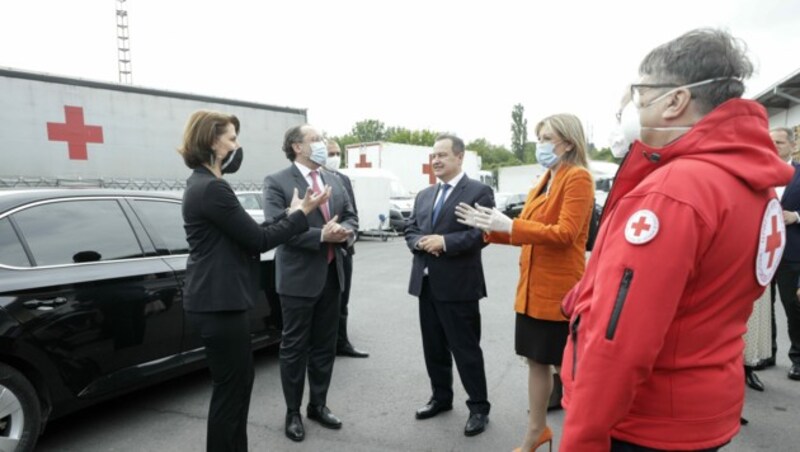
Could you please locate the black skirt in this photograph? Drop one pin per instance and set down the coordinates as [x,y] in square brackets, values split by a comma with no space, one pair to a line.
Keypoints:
[540,340]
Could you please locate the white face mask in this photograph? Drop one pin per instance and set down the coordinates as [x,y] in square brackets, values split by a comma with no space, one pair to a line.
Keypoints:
[619,144]
[333,163]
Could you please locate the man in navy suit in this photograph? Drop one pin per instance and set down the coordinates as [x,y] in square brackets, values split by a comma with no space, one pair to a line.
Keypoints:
[447,276]
[789,268]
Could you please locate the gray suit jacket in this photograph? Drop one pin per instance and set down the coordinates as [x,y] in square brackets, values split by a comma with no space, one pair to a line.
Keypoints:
[301,265]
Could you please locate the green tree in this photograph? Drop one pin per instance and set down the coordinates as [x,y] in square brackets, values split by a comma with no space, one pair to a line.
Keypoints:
[492,156]
[529,151]
[602,154]
[417,137]
[369,130]
[519,131]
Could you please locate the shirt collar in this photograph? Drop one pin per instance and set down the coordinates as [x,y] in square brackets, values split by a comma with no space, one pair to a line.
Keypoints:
[454,181]
[304,170]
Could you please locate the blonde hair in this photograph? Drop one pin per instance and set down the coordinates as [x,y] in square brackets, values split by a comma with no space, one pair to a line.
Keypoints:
[568,127]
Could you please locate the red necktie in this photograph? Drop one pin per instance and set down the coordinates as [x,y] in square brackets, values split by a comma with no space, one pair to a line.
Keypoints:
[326,213]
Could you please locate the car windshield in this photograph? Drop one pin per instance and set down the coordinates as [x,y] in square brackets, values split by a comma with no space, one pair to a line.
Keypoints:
[249,200]
[397,190]
[500,199]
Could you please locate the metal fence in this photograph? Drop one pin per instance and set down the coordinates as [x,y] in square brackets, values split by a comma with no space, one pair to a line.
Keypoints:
[128,184]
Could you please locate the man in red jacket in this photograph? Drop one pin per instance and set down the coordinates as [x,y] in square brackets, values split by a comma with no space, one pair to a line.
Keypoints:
[691,234]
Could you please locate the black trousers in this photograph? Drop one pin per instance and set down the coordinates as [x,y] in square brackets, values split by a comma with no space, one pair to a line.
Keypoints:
[342,339]
[309,343]
[787,279]
[452,330]
[622,446]
[226,336]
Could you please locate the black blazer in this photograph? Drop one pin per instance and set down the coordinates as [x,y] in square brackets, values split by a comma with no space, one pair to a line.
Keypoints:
[791,201]
[457,274]
[224,245]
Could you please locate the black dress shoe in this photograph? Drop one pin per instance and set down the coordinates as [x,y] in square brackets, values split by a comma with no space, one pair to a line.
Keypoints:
[752,379]
[349,350]
[294,427]
[794,372]
[323,416]
[476,424]
[764,363]
[433,408]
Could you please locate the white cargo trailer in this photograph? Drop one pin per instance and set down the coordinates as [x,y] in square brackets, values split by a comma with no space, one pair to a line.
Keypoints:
[373,192]
[61,131]
[411,163]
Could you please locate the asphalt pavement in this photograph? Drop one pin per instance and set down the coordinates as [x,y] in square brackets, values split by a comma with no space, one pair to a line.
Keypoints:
[376,397]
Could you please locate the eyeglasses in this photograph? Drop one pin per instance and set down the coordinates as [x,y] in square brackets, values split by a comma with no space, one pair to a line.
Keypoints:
[636,95]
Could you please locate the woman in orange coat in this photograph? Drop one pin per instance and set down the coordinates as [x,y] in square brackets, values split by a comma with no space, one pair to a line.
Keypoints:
[552,231]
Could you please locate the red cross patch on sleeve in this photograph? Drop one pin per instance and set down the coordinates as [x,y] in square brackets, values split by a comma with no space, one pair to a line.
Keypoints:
[771,241]
[641,227]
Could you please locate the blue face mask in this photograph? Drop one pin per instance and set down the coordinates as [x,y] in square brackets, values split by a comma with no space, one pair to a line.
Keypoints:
[546,155]
[319,153]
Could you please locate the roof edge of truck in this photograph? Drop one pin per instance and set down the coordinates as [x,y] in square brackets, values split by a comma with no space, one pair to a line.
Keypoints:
[51,78]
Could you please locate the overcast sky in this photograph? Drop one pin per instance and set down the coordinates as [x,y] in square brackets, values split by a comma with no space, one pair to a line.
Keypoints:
[442,65]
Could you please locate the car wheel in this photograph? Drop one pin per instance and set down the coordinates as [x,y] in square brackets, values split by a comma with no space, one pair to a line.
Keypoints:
[20,412]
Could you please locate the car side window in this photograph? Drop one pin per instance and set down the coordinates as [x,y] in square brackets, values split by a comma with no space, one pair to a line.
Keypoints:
[166,219]
[11,251]
[68,232]
[249,201]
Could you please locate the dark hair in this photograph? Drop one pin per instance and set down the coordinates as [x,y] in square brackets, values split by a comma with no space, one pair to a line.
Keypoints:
[458,143]
[202,130]
[698,55]
[293,135]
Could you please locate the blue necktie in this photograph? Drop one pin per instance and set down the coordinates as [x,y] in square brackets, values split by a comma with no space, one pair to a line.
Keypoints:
[440,203]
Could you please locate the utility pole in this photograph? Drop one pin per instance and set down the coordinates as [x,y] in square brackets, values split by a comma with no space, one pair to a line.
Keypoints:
[123,45]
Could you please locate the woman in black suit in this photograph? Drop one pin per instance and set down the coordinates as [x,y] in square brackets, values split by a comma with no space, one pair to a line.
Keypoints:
[222,269]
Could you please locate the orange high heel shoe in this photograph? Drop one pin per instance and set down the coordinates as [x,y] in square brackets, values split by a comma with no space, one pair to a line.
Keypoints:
[545,437]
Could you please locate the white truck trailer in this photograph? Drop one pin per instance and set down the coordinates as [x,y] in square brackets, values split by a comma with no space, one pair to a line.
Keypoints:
[410,163]
[60,131]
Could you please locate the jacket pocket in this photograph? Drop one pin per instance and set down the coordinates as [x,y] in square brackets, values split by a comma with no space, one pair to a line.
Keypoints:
[574,334]
[619,303]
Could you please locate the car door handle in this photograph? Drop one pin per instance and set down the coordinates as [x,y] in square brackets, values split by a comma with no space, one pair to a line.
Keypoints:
[47,304]
[57,301]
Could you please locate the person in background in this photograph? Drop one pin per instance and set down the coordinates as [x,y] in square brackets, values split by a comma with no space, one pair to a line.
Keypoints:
[447,277]
[552,231]
[343,345]
[692,232]
[222,268]
[309,278]
[789,268]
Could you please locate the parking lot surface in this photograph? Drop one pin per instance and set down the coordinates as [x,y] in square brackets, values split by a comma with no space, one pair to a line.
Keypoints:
[376,397]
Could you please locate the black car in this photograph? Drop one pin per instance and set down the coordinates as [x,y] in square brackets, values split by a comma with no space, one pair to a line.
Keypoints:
[511,204]
[90,302]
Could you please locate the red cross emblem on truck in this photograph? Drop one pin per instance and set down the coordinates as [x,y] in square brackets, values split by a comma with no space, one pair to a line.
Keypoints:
[427,168]
[75,132]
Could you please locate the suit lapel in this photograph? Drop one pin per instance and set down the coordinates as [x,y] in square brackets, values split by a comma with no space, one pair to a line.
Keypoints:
[450,202]
[793,185]
[534,199]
